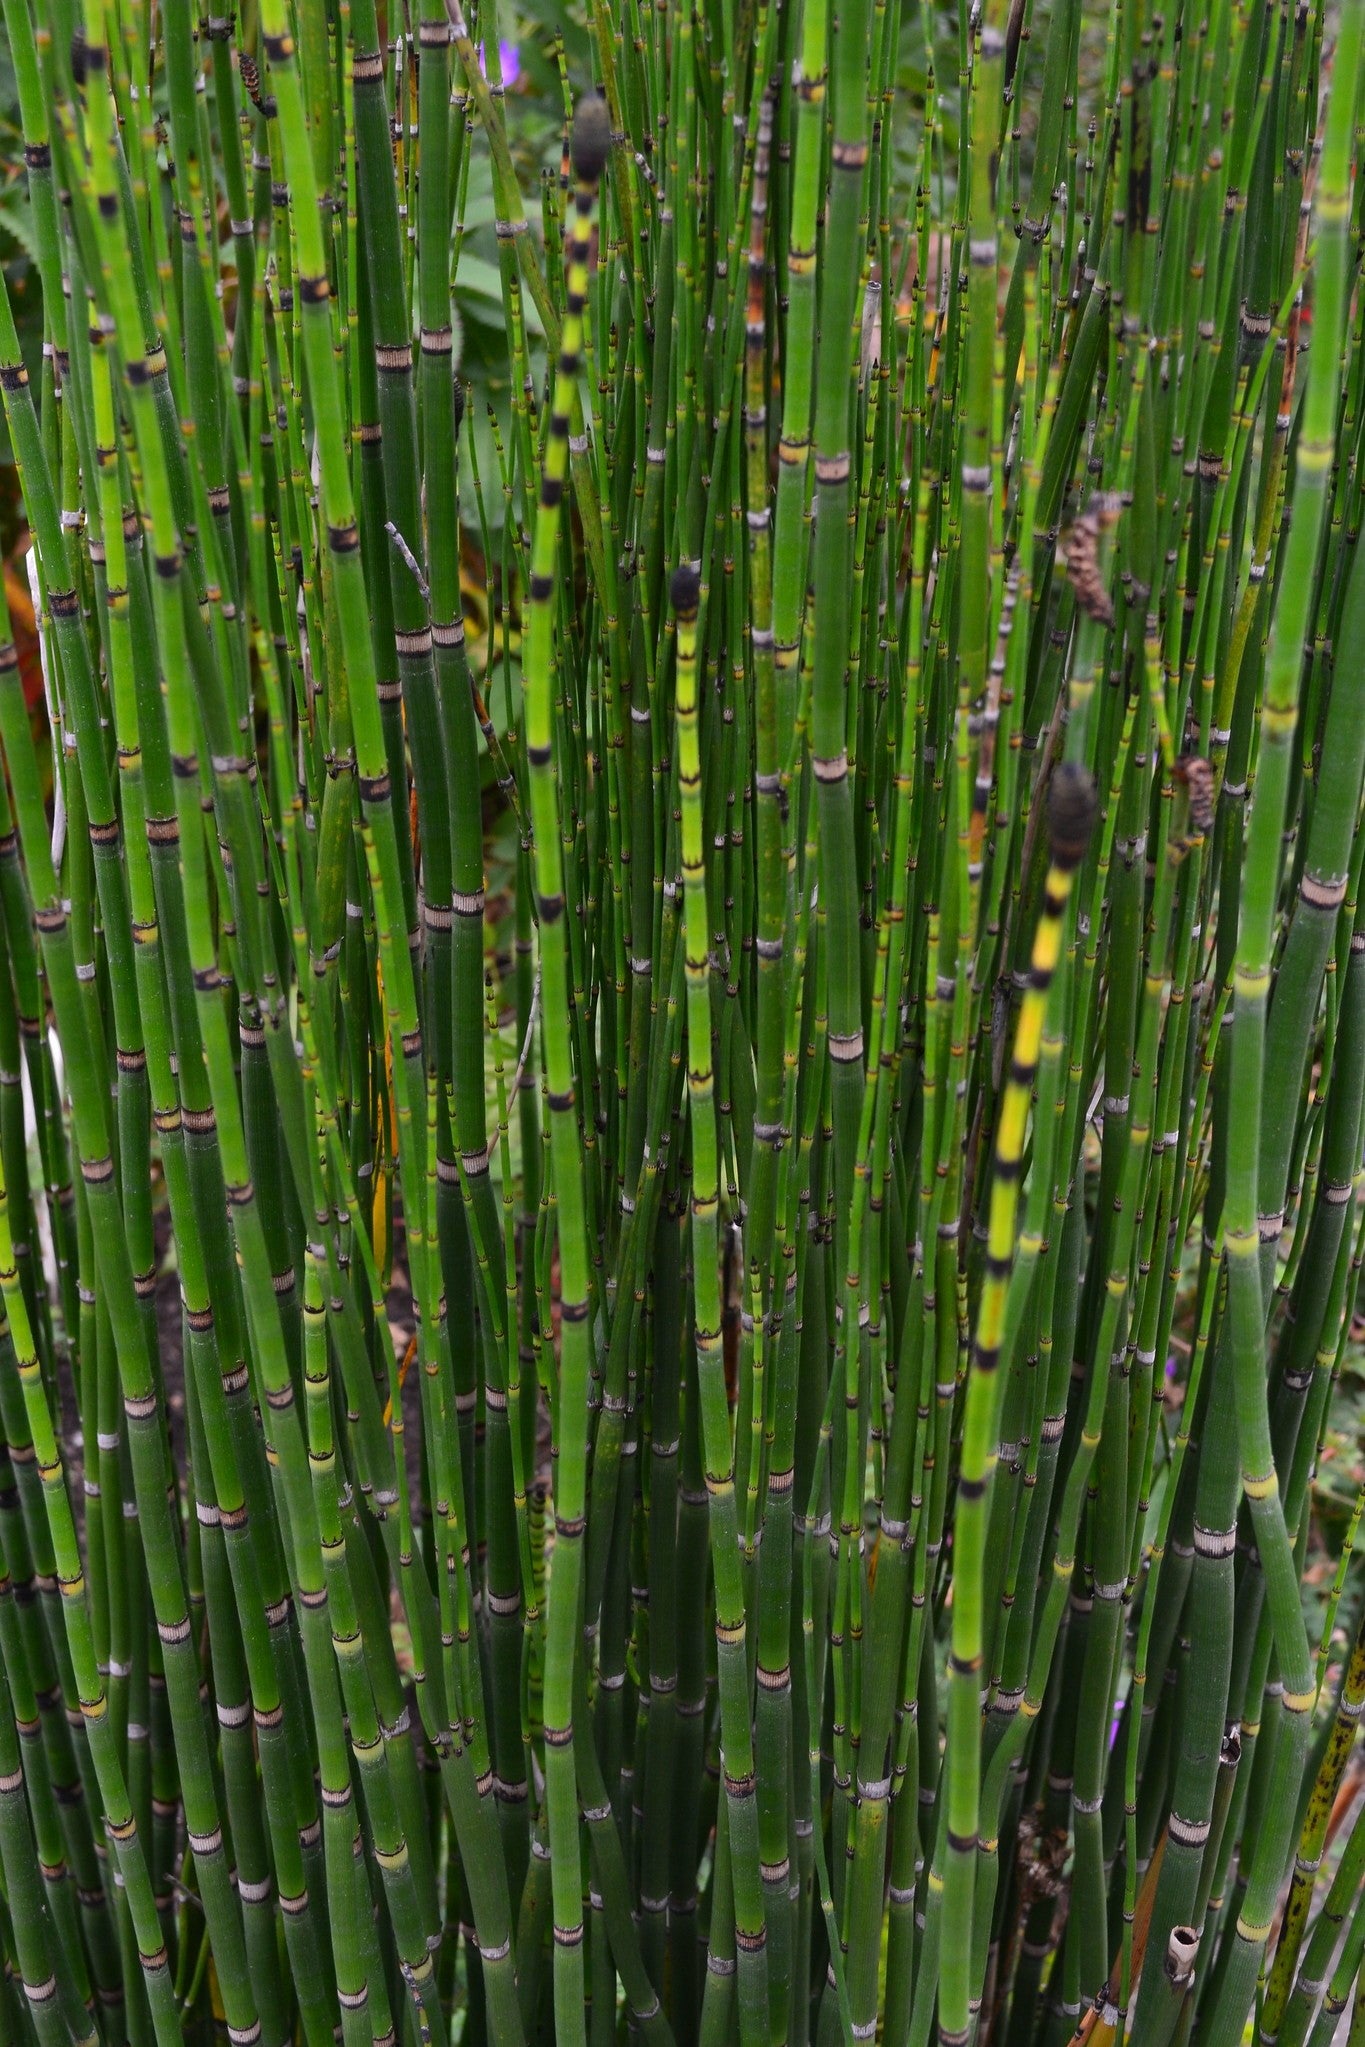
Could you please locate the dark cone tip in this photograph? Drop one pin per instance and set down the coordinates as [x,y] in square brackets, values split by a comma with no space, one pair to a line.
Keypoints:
[591,138]
[685,589]
[1071,812]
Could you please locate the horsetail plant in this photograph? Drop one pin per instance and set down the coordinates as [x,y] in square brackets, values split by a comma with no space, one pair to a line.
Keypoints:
[682,1048]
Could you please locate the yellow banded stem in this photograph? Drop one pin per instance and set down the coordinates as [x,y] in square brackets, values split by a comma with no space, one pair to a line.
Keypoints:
[1071,818]
[591,141]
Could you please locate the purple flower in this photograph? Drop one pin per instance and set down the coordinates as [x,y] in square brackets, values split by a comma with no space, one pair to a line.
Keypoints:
[508,60]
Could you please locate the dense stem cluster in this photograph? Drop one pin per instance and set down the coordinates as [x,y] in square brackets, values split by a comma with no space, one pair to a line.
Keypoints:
[877,1217]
